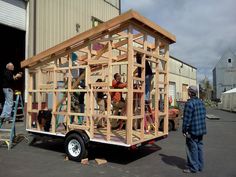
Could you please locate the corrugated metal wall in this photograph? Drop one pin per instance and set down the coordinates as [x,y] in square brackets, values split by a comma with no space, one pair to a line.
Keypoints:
[56,20]
[12,13]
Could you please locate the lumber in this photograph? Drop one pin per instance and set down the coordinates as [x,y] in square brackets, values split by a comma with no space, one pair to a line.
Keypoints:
[101,161]
[85,161]
[122,38]
[100,28]
[75,85]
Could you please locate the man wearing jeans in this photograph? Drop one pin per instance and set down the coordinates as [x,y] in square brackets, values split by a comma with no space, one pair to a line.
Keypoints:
[194,127]
[8,80]
[148,80]
[148,76]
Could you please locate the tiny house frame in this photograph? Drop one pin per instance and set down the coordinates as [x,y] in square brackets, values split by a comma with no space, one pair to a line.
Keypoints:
[61,74]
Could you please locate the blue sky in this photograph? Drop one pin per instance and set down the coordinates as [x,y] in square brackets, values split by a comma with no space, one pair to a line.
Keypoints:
[204,29]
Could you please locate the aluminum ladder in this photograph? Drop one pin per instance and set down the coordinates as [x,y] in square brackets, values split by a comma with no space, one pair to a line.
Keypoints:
[7,135]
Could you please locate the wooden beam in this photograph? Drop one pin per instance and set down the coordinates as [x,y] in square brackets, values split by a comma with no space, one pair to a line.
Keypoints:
[166,80]
[129,110]
[75,84]
[151,54]
[109,39]
[143,87]
[109,95]
[101,52]
[56,56]
[157,122]
[124,42]
[154,26]
[97,62]
[79,38]
[96,31]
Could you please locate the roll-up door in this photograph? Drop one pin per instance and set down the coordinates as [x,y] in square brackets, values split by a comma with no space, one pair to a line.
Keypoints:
[12,13]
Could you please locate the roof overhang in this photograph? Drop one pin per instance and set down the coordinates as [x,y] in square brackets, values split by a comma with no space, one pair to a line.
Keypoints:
[129,16]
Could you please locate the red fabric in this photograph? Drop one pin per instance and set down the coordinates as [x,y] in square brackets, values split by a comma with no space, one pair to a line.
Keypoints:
[119,85]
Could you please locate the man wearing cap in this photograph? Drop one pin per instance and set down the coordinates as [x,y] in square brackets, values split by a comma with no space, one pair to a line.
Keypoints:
[194,127]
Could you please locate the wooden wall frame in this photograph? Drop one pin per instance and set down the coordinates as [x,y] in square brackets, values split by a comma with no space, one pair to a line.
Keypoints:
[99,51]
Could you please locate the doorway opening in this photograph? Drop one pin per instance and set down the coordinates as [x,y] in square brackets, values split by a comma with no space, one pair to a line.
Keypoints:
[12,50]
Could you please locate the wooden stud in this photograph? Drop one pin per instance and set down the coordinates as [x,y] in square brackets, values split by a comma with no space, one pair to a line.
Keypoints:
[91,97]
[99,64]
[129,112]
[88,85]
[39,94]
[143,87]
[109,94]
[156,123]
[54,98]
[166,80]
[29,104]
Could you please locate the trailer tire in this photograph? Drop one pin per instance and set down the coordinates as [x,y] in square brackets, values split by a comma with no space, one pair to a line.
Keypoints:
[170,126]
[75,147]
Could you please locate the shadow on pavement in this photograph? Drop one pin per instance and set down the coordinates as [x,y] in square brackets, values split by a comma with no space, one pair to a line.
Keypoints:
[56,145]
[173,161]
[113,154]
[120,155]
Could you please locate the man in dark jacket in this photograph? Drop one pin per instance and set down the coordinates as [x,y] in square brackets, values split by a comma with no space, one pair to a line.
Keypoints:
[7,85]
[194,127]
[148,76]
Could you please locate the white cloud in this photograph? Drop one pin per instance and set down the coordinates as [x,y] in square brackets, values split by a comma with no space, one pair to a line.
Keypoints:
[204,29]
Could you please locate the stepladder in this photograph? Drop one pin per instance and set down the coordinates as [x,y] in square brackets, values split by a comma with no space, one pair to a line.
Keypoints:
[8,130]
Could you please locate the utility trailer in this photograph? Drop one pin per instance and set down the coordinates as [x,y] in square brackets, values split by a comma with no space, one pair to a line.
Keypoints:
[60,77]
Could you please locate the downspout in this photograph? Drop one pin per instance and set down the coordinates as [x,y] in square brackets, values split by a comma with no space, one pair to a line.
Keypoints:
[119,7]
[35,13]
[26,50]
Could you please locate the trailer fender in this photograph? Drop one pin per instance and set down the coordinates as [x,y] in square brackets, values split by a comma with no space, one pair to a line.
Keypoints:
[84,135]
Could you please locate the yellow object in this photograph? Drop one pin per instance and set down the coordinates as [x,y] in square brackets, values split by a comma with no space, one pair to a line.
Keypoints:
[18,93]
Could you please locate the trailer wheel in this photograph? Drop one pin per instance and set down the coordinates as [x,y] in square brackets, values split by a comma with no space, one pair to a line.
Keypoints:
[170,126]
[75,147]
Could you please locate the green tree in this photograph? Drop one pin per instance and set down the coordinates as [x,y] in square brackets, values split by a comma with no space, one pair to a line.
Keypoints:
[205,89]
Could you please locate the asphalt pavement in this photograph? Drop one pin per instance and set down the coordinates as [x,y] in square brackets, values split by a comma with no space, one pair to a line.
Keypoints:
[166,158]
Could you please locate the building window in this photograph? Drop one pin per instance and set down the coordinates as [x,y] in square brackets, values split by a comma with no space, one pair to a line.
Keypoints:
[96,21]
[230,64]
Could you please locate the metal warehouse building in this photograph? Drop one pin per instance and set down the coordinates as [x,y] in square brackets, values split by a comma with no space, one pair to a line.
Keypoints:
[28,27]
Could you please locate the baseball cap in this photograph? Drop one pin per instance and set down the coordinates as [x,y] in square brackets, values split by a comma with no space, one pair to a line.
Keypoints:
[193,89]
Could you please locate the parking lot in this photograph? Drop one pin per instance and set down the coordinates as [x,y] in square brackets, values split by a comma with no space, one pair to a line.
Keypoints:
[166,158]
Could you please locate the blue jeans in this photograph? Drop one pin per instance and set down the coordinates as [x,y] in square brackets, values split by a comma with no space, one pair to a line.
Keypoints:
[148,80]
[81,118]
[194,149]
[7,108]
